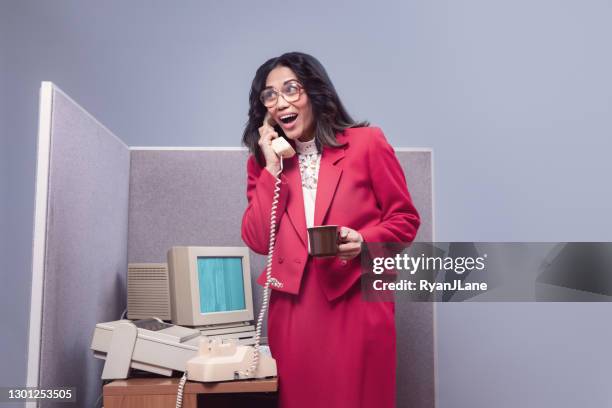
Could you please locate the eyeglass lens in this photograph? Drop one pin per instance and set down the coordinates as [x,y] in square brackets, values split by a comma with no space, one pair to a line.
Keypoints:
[290,91]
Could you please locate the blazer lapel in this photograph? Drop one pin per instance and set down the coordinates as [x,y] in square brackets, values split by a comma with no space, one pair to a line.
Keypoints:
[329,174]
[295,203]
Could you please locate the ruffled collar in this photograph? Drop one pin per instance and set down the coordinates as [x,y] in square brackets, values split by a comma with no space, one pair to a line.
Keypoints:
[308,147]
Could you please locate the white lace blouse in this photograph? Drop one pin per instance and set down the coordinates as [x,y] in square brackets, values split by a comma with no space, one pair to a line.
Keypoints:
[309,160]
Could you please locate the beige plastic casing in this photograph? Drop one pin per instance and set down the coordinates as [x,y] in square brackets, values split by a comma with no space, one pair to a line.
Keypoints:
[148,291]
[282,148]
[184,288]
[227,361]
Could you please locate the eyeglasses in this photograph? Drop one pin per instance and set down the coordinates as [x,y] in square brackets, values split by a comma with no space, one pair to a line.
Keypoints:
[291,92]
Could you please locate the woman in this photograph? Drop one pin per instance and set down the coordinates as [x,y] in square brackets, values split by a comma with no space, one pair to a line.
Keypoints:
[332,349]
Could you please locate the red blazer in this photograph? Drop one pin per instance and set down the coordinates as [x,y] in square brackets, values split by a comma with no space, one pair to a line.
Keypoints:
[361,186]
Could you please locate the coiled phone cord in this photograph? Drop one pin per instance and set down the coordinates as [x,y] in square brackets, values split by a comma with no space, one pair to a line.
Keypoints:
[179,393]
[269,279]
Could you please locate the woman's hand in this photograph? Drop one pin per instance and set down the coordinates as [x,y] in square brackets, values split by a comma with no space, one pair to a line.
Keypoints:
[266,135]
[350,243]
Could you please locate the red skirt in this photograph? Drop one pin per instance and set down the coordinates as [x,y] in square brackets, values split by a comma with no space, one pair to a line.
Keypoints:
[332,354]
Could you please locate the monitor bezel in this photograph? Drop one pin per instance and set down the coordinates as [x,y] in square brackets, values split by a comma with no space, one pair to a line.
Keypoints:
[196,317]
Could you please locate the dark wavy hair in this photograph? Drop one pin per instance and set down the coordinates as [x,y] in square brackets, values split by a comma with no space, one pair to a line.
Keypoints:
[329,115]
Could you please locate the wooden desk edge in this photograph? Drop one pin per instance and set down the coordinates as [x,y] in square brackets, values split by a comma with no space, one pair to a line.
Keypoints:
[161,386]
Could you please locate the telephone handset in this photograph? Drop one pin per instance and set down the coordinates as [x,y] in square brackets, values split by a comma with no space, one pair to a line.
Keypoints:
[280,145]
[222,362]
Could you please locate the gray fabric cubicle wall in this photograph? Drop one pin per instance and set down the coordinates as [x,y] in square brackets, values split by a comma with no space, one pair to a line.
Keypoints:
[197,197]
[86,246]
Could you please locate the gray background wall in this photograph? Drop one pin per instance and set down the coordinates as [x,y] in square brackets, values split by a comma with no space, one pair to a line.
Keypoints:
[514,97]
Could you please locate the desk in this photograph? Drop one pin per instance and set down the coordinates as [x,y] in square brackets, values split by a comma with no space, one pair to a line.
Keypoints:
[161,393]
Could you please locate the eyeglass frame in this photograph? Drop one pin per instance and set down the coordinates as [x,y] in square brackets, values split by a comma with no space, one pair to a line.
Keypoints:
[300,91]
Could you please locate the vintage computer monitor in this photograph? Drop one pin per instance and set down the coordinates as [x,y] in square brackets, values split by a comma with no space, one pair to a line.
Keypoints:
[210,285]
[209,290]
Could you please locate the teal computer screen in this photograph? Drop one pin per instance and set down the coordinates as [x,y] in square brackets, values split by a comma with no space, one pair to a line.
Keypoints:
[221,284]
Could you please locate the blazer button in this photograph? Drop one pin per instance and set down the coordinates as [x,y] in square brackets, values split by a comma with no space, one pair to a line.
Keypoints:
[280,260]
[297,260]
[343,262]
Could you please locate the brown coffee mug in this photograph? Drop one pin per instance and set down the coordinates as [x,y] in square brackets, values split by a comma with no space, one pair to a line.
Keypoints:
[324,240]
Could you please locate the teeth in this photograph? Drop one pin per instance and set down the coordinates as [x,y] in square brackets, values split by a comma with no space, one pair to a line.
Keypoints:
[288,116]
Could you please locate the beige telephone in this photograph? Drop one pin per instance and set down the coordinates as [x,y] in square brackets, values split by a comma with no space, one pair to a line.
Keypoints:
[228,361]
[280,145]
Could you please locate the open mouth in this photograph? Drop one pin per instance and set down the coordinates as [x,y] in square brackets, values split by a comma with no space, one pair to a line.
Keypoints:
[289,118]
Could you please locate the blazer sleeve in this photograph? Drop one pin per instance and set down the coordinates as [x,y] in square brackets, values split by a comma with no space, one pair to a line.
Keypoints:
[399,219]
[255,229]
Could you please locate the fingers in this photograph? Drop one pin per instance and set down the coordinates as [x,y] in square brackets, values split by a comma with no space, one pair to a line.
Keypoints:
[349,235]
[266,134]
[350,245]
[268,121]
[344,232]
[348,251]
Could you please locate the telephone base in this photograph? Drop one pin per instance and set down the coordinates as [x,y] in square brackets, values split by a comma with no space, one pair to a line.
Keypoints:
[228,361]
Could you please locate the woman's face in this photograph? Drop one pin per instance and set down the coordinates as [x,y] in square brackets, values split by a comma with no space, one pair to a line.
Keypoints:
[295,127]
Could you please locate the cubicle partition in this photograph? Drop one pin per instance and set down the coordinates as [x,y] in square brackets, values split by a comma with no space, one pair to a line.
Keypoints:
[80,244]
[110,205]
